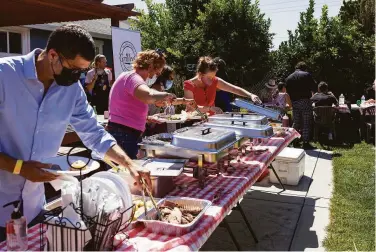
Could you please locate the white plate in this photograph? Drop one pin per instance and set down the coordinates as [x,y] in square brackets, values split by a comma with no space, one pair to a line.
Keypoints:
[65,167]
[122,186]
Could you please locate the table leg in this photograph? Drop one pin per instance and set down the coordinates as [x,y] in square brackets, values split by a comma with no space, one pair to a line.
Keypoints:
[227,226]
[238,207]
[279,180]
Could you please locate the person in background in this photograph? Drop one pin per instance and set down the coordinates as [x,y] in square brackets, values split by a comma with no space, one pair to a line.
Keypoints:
[323,97]
[223,98]
[39,96]
[370,92]
[163,83]
[282,99]
[98,83]
[130,96]
[203,87]
[269,92]
[300,86]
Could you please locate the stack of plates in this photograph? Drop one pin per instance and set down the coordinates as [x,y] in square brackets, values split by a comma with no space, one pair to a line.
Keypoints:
[115,184]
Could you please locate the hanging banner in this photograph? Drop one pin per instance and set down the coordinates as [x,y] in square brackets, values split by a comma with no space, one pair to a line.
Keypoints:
[125,46]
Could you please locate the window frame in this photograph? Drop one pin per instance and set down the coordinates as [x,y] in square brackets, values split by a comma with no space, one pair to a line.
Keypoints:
[25,40]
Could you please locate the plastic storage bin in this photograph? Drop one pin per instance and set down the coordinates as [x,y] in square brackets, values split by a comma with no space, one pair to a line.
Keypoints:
[289,165]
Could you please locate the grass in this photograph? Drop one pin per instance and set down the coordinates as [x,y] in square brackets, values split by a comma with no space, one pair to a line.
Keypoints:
[352,209]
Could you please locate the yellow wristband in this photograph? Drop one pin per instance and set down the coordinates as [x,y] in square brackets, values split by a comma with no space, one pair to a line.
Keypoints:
[17,167]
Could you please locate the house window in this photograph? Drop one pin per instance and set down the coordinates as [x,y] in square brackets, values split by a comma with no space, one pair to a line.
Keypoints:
[98,46]
[14,41]
[10,42]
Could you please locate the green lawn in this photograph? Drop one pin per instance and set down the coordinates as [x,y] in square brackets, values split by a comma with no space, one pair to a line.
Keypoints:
[352,210]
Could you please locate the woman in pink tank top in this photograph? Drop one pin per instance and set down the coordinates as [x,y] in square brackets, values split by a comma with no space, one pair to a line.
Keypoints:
[129,99]
[203,87]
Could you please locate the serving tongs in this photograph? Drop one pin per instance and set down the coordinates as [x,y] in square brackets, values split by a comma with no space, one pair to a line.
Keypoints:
[203,116]
[144,188]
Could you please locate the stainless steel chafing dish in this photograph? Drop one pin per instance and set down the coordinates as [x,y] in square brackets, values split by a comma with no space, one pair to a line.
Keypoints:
[251,118]
[259,109]
[243,128]
[190,143]
[203,138]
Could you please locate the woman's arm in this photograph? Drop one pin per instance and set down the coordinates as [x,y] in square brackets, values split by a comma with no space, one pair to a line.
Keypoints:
[150,96]
[225,86]
[188,94]
[288,100]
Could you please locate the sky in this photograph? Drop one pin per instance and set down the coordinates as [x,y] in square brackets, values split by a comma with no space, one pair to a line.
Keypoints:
[284,14]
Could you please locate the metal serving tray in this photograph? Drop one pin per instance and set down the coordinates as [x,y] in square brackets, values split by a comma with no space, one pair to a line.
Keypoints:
[170,151]
[254,119]
[270,113]
[203,138]
[160,227]
[244,129]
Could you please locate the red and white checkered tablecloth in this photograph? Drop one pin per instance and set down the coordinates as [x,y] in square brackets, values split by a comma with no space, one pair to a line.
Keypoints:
[232,188]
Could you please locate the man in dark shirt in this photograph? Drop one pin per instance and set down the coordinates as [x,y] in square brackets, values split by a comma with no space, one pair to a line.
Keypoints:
[301,86]
[223,98]
[324,97]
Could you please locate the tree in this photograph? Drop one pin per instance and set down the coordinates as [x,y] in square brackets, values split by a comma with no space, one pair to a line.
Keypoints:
[338,50]
[235,30]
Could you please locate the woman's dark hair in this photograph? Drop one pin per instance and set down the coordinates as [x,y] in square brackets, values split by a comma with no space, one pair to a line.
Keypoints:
[281,85]
[323,87]
[72,40]
[206,64]
[165,75]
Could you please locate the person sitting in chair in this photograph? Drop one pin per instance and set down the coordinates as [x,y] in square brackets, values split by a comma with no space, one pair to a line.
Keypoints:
[323,97]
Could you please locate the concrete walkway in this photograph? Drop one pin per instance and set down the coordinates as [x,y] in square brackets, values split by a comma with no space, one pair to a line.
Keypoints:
[295,219]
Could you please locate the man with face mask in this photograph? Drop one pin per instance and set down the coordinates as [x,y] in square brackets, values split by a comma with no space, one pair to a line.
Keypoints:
[39,97]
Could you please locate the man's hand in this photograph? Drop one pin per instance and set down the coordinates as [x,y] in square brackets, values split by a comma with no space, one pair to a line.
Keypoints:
[32,170]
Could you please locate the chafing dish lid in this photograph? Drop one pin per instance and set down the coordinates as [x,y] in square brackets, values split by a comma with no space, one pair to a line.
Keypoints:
[270,113]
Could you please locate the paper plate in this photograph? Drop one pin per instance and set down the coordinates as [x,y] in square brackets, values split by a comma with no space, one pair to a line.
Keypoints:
[65,167]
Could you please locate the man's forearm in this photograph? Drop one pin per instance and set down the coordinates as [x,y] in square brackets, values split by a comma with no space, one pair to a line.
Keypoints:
[7,163]
[117,155]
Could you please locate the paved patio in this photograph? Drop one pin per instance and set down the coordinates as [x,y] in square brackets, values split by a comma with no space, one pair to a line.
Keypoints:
[292,220]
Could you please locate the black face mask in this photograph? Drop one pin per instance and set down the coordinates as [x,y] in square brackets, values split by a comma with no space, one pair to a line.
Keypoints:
[67,77]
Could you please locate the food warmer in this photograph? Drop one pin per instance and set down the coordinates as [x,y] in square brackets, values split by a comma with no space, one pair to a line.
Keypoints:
[203,144]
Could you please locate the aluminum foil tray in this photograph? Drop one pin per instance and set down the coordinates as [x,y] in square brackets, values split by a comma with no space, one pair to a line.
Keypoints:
[160,227]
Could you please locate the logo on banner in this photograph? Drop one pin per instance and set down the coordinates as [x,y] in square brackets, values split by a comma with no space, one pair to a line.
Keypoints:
[127,55]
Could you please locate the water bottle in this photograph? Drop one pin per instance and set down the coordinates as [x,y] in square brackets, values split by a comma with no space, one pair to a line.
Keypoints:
[341,99]
[363,100]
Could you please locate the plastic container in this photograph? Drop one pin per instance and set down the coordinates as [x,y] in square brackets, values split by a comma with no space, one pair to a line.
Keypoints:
[285,121]
[341,99]
[363,100]
[289,165]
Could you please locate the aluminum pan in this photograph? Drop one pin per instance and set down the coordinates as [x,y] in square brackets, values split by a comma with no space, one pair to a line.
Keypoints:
[160,227]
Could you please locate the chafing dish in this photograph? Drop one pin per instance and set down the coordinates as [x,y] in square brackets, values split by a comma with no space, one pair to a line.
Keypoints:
[207,151]
[203,138]
[251,118]
[259,109]
[244,129]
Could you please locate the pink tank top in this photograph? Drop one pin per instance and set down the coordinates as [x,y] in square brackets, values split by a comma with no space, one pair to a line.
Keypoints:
[124,107]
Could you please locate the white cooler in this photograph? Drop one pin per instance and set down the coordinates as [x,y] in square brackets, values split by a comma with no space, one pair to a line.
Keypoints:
[289,165]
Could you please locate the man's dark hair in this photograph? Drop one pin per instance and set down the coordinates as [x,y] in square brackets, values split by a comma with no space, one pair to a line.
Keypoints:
[281,85]
[301,66]
[323,87]
[71,40]
[221,64]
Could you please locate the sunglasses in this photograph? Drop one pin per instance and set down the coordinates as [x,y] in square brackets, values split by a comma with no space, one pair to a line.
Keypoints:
[73,70]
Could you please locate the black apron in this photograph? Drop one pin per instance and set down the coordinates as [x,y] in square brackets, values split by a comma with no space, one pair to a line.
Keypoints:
[101,92]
